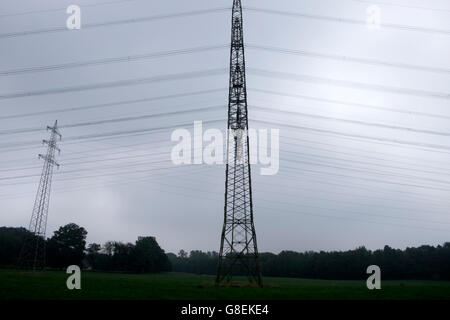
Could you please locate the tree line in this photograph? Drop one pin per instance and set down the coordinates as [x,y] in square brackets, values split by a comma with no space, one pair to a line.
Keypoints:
[67,246]
[422,263]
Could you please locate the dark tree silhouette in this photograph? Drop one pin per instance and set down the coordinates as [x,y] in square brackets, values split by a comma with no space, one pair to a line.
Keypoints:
[11,242]
[149,257]
[66,246]
[425,262]
[145,256]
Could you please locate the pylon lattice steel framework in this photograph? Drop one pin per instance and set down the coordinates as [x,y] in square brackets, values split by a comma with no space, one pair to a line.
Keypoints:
[238,249]
[33,251]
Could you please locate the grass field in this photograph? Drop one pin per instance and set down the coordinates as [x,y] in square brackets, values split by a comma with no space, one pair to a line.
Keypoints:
[52,285]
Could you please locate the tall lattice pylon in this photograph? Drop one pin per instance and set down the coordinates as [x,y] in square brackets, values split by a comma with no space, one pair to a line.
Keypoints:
[32,255]
[238,249]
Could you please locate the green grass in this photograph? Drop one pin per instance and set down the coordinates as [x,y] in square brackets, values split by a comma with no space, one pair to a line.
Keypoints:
[52,285]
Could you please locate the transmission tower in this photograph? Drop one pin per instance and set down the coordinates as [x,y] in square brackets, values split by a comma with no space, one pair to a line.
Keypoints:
[32,255]
[238,249]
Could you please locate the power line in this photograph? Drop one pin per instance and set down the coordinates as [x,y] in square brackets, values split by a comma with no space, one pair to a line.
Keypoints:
[180,95]
[353,212]
[64,8]
[115,120]
[362,178]
[321,181]
[349,59]
[348,103]
[281,209]
[371,171]
[315,207]
[94,151]
[292,144]
[108,174]
[295,178]
[111,104]
[218,107]
[316,130]
[283,167]
[358,169]
[152,175]
[115,84]
[144,163]
[9,178]
[402,5]
[160,54]
[68,164]
[350,84]
[362,162]
[347,21]
[96,62]
[107,159]
[357,122]
[203,174]
[313,129]
[190,188]
[364,151]
[444,170]
[372,140]
[328,192]
[114,134]
[359,136]
[355,188]
[219,71]
[325,165]
[297,174]
[113,23]
[292,152]
[412,196]
[224,9]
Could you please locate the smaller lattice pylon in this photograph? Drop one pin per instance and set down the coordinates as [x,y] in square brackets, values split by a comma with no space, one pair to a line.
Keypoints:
[32,255]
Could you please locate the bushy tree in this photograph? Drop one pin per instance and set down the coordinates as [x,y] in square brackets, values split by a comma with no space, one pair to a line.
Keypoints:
[11,242]
[149,257]
[66,246]
[145,256]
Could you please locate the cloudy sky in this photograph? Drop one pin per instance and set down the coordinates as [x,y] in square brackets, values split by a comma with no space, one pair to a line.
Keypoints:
[363,115]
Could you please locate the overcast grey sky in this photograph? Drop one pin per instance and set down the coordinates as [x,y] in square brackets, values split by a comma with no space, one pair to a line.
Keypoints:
[344,179]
